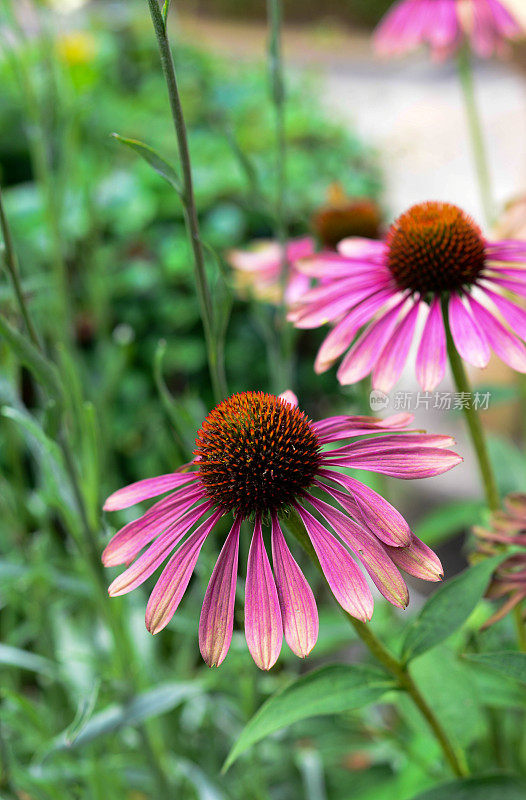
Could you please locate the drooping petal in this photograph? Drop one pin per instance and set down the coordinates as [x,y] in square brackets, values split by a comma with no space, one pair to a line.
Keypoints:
[514,315]
[297,603]
[344,577]
[130,540]
[469,337]
[411,464]
[394,355]
[431,356]
[143,490]
[349,426]
[175,577]
[365,352]
[263,625]
[217,614]
[380,516]
[382,444]
[142,568]
[371,553]
[341,336]
[508,348]
[418,560]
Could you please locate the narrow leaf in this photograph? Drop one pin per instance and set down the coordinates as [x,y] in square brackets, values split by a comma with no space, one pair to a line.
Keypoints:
[509,663]
[329,690]
[154,159]
[448,608]
[23,659]
[151,703]
[28,354]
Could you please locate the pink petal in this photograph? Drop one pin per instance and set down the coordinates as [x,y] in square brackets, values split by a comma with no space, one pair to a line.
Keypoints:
[263,625]
[418,560]
[349,426]
[508,348]
[425,462]
[289,397]
[344,331]
[513,314]
[298,607]
[217,614]
[175,577]
[125,545]
[380,567]
[394,355]
[468,336]
[143,490]
[431,356]
[345,579]
[382,444]
[364,354]
[380,516]
[142,568]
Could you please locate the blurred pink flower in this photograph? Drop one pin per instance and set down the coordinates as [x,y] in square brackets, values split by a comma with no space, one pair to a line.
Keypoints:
[445,25]
[258,270]
[259,457]
[433,251]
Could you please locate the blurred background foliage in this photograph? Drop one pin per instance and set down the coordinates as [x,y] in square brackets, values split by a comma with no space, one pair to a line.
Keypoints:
[92,706]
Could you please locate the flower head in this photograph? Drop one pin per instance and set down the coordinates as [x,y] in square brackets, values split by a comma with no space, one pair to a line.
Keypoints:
[445,25]
[258,270]
[433,255]
[259,458]
[507,529]
[344,216]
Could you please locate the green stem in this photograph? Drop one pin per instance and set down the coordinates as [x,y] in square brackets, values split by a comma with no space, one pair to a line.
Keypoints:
[277,91]
[400,671]
[465,72]
[188,200]
[519,626]
[85,536]
[11,264]
[472,418]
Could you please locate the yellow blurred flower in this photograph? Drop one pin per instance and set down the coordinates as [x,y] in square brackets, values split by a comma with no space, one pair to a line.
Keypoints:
[76,48]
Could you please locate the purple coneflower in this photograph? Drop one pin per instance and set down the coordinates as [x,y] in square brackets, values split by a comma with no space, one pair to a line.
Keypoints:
[433,254]
[258,270]
[507,529]
[259,457]
[445,25]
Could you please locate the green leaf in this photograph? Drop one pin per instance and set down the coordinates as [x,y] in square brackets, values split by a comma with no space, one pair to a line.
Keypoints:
[446,521]
[490,787]
[149,704]
[23,659]
[329,690]
[510,663]
[448,608]
[154,159]
[43,370]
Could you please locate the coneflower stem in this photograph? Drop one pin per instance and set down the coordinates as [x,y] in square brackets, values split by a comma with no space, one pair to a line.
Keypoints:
[400,671]
[472,418]
[277,91]
[519,626]
[188,201]
[465,71]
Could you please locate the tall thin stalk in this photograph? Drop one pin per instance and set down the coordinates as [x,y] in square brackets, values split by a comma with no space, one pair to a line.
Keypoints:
[188,201]
[85,535]
[278,96]
[472,418]
[465,71]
